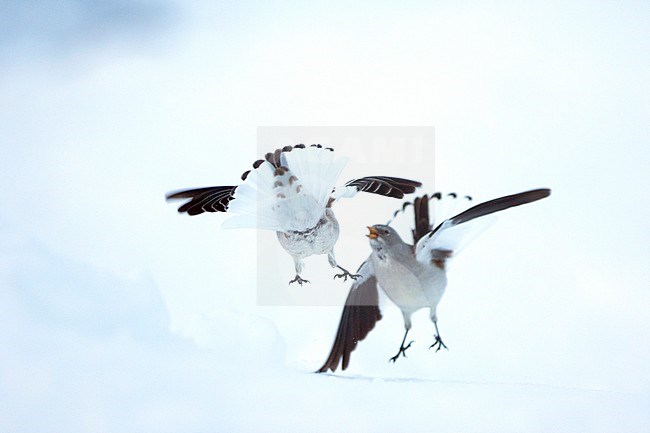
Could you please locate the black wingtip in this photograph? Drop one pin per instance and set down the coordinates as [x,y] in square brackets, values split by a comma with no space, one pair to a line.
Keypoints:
[207,199]
[501,203]
[178,194]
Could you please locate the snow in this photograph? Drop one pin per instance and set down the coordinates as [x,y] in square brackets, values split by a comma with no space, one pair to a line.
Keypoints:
[119,315]
[81,363]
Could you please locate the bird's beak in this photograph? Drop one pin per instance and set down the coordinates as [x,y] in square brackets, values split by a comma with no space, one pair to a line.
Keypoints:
[374,234]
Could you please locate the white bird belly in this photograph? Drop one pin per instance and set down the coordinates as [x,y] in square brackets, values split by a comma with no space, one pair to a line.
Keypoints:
[318,240]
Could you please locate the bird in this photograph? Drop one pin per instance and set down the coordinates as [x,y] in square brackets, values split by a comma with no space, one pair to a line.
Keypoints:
[413,276]
[291,191]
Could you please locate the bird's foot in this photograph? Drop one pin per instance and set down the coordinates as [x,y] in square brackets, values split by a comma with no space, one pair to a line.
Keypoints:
[298,280]
[438,344]
[402,351]
[346,274]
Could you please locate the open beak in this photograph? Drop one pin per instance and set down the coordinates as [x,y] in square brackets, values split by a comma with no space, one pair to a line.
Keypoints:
[374,234]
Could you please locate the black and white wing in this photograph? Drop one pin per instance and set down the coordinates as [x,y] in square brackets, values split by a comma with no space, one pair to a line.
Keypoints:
[454,233]
[217,198]
[210,199]
[395,187]
[360,314]
[287,190]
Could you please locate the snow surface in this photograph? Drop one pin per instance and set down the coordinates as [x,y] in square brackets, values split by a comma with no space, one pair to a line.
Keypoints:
[79,361]
[119,315]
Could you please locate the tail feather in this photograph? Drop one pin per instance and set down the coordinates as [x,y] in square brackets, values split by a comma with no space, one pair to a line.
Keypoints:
[317,170]
[294,206]
[421,216]
[274,199]
[448,205]
[429,211]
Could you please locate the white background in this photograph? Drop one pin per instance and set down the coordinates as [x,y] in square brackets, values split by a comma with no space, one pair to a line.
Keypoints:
[121,315]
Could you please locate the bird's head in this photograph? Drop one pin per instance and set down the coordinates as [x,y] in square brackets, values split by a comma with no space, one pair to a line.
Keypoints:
[382,235]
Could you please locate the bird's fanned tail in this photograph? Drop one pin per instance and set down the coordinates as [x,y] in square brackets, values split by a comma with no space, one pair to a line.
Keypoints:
[317,169]
[430,210]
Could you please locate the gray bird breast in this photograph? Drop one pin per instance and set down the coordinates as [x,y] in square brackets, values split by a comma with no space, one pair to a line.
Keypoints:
[317,240]
[409,284]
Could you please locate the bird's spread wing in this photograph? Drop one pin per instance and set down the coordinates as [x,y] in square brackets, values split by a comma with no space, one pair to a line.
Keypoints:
[288,190]
[454,233]
[210,199]
[359,316]
[395,187]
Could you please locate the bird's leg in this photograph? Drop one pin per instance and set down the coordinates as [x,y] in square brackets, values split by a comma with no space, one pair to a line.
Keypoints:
[345,274]
[298,280]
[402,348]
[298,265]
[438,341]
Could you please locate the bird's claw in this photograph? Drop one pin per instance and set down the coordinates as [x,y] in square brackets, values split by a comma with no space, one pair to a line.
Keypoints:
[345,276]
[439,344]
[299,280]
[402,351]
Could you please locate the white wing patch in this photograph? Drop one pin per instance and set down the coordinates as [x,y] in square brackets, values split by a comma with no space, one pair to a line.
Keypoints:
[451,237]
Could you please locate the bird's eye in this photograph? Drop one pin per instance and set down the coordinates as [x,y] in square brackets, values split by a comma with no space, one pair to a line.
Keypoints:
[385,232]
